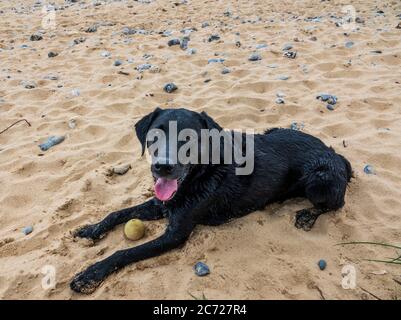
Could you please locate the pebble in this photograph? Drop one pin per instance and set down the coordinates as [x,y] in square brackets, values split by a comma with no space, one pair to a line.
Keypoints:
[225,71]
[255,57]
[91,29]
[184,43]
[72,123]
[201,269]
[121,169]
[287,47]
[118,63]
[213,37]
[170,87]
[28,84]
[128,31]
[79,40]
[322,264]
[297,126]
[52,54]
[76,92]
[368,169]
[24,46]
[216,60]
[105,54]
[349,44]
[398,25]
[173,42]
[205,24]
[290,54]
[283,77]
[143,67]
[191,51]
[261,46]
[272,66]
[36,37]
[280,101]
[50,142]
[330,99]
[27,230]
[330,107]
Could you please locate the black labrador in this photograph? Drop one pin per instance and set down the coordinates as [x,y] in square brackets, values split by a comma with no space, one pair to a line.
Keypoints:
[287,164]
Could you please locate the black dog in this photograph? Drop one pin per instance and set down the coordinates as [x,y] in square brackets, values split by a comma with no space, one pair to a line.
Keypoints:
[287,163]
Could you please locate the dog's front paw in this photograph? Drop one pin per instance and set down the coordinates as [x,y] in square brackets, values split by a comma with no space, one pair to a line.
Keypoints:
[87,281]
[305,219]
[89,232]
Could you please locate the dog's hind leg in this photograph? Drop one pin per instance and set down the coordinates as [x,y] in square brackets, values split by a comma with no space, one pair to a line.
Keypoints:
[149,210]
[325,184]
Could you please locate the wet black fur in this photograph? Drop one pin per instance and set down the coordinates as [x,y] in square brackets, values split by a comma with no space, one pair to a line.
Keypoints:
[288,164]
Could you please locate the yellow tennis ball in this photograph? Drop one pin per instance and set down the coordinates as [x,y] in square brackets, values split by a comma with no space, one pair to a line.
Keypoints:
[134,229]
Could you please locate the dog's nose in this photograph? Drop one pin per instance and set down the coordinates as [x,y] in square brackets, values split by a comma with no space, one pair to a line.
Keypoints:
[163,169]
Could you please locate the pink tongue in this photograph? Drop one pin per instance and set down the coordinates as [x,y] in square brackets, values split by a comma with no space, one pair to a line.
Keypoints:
[165,188]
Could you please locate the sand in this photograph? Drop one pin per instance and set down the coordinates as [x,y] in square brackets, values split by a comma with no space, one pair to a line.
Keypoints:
[260,256]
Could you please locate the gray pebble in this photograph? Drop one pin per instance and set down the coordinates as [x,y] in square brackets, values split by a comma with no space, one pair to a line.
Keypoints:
[118,63]
[225,71]
[290,54]
[280,101]
[143,67]
[201,269]
[184,43]
[283,77]
[173,42]
[27,230]
[216,60]
[105,54]
[369,169]
[75,92]
[261,46]
[121,169]
[91,29]
[52,54]
[36,37]
[213,37]
[349,44]
[28,84]
[191,51]
[205,24]
[287,47]
[50,142]
[297,126]
[255,57]
[170,87]
[329,98]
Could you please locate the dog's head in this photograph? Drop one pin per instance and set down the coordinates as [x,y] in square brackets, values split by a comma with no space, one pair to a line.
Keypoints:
[170,136]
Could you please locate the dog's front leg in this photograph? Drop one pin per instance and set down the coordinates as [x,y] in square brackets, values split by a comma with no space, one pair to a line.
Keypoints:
[149,210]
[178,230]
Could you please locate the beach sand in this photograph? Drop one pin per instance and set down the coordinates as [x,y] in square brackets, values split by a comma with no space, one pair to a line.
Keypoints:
[260,256]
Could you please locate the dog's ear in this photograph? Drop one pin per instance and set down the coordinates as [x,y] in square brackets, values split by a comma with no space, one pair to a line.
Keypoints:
[210,123]
[143,125]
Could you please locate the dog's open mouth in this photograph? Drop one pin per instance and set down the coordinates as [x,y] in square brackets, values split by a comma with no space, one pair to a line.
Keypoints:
[165,189]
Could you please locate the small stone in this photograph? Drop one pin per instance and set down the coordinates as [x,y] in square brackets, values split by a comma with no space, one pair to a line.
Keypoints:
[154,69]
[225,70]
[173,42]
[280,101]
[329,98]
[290,54]
[75,92]
[255,57]
[28,84]
[398,25]
[184,43]
[118,63]
[322,264]
[36,37]
[143,67]
[128,31]
[297,126]
[313,38]
[50,142]
[330,107]
[349,44]
[359,20]
[287,47]
[27,230]
[369,169]
[283,77]
[191,51]
[272,66]
[205,24]
[216,60]
[261,46]
[201,269]
[105,54]
[52,54]
[91,29]
[213,37]
[72,124]
[170,87]
[121,169]
[79,40]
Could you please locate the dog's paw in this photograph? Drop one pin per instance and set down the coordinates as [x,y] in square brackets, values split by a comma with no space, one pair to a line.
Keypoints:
[87,281]
[89,232]
[305,219]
